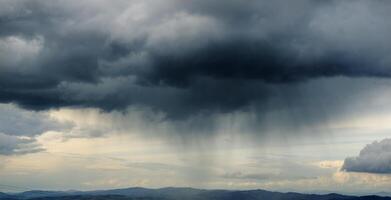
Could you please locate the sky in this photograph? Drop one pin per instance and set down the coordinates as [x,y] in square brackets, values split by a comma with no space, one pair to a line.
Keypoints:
[277,95]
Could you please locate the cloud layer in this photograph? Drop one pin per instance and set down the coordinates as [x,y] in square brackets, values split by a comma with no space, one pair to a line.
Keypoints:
[19,122]
[11,145]
[374,158]
[183,58]
[18,129]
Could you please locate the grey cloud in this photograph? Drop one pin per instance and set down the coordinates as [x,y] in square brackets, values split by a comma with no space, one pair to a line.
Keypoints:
[13,145]
[18,129]
[374,158]
[18,122]
[184,58]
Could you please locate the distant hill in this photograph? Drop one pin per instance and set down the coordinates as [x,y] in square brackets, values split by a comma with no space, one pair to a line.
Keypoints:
[3,195]
[138,193]
[40,193]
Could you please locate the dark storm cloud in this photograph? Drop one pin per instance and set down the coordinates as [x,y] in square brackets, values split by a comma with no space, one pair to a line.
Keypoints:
[374,158]
[183,57]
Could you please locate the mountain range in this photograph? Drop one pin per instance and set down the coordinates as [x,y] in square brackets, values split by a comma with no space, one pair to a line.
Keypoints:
[171,193]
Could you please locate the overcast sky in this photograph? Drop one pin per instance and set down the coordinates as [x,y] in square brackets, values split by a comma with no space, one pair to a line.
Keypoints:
[290,96]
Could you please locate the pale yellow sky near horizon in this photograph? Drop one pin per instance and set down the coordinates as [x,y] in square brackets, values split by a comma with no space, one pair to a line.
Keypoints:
[129,152]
